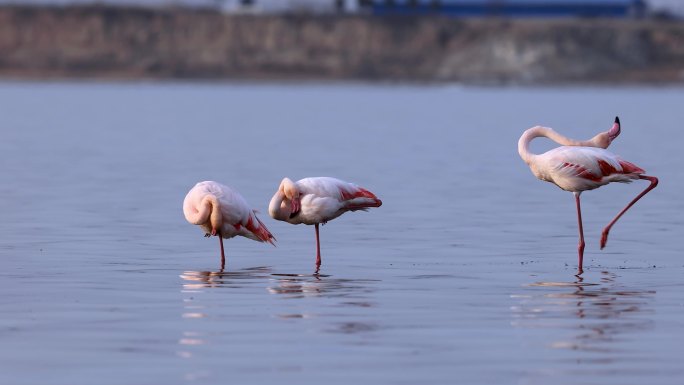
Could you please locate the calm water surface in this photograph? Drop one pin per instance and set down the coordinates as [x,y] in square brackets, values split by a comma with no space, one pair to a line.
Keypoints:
[464,275]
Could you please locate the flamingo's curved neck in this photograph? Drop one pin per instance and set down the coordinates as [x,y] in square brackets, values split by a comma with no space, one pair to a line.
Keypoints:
[601,140]
[216,219]
[208,210]
[288,193]
[526,138]
[275,209]
[289,188]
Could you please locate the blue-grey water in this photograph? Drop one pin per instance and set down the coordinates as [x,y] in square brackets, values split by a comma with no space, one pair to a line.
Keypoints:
[464,275]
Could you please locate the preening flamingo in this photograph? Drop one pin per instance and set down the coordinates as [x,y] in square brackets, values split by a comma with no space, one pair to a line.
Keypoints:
[578,166]
[219,210]
[318,200]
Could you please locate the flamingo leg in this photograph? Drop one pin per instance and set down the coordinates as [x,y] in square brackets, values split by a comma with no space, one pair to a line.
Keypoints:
[223,255]
[606,230]
[580,247]
[318,248]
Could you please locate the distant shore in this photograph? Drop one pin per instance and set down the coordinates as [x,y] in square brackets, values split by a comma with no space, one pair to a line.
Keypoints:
[102,42]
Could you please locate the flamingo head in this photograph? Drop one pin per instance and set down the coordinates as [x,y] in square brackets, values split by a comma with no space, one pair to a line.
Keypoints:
[615,130]
[285,204]
[604,139]
[292,194]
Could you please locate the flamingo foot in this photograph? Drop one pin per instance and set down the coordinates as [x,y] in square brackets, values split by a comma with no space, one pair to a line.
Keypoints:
[604,238]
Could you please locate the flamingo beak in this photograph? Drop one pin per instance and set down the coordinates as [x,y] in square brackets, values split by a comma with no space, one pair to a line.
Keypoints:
[615,130]
[295,206]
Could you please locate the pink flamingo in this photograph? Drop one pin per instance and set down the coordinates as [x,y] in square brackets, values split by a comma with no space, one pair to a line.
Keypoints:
[318,200]
[582,165]
[219,210]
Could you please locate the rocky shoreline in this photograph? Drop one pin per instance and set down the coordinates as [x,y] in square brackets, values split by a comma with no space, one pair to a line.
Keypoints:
[138,43]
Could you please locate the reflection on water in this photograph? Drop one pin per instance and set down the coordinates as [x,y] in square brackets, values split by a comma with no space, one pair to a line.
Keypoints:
[353,293]
[596,314]
[316,285]
[208,305]
[195,283]
[93,238]
[289,285]
[207,279]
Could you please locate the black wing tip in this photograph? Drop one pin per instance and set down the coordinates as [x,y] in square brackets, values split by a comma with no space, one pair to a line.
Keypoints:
[617,120]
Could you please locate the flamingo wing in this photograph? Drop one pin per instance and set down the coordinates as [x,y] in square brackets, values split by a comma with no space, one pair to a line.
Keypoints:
[251,227]
[238,217]
[575,168]
[323,187]
[337,194]
[343,192]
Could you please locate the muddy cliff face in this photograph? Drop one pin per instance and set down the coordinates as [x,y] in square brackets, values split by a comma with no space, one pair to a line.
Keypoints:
[134,43]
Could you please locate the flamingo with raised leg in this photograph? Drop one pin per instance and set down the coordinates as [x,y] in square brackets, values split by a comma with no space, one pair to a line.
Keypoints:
[578,166]
[317,200]
[221,211]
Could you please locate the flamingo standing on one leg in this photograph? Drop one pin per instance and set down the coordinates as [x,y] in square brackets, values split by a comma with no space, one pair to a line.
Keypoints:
[582,165]
[318,200]
[222,211]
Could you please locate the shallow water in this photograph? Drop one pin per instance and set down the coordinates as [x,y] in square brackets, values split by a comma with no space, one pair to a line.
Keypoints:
[464,275]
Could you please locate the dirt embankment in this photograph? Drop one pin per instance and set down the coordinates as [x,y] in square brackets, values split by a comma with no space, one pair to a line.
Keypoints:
[106,42]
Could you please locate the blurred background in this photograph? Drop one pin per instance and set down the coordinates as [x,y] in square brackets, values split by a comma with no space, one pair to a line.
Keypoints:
[485,41]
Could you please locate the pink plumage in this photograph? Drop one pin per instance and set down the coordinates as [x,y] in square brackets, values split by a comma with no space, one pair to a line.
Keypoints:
[220,210]
[574,168]
[578,166]
[318,200]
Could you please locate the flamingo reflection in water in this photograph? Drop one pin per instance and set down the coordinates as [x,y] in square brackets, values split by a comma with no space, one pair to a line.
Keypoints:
[319,285]
[197,280]
[599,312]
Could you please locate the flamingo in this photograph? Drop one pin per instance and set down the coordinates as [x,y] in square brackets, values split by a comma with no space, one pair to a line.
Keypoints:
[219,210]
[578,166]
[317,200]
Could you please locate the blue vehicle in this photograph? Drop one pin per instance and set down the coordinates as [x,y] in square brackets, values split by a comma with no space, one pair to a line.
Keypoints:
[507,8]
